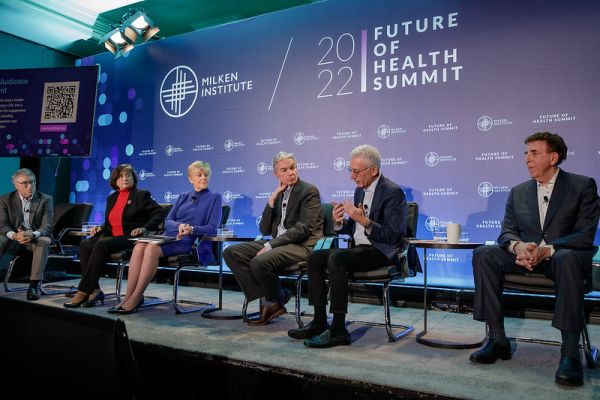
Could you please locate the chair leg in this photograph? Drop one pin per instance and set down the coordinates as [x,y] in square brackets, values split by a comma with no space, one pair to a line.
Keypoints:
[120,272]
[56,289]
[591,352]
[405,330]
[297,300]
[11,265]
[245,316]
[245,310]
[176,301]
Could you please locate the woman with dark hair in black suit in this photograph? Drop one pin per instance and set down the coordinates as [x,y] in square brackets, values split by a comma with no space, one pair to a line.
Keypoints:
[130,212]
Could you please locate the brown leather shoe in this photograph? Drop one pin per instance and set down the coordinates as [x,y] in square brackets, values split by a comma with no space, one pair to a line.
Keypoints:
[268,313]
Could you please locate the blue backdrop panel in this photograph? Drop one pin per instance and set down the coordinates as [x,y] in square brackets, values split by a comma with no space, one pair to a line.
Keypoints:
[447,90]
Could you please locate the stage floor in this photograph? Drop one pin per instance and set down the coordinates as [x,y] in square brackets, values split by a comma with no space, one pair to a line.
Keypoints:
[371,359]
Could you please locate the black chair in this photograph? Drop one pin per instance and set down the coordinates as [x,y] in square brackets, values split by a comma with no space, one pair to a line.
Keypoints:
[388,274]
[299,269]
[67,218]
[539,284]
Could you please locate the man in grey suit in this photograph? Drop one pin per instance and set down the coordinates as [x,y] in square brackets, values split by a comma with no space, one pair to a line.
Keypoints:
[26,218]
[549,227]
[293,217]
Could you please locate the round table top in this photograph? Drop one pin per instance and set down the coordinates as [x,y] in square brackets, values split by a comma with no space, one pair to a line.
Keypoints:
[440,244]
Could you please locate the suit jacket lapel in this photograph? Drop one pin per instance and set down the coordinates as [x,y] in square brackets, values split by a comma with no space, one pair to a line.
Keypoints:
[559,193]
[532,204]
[35,203]
[359,196]
[110,202]
[377,197]
[294,198]
[18,208]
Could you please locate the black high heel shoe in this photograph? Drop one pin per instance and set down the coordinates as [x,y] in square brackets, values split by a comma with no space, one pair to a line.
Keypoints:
[123,311]
[92,302]
[70,304]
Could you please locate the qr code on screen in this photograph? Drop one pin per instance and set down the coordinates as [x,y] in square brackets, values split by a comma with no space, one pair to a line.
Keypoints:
[60,102]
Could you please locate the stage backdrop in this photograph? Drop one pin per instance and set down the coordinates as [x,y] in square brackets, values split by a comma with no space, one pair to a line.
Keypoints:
[447,90]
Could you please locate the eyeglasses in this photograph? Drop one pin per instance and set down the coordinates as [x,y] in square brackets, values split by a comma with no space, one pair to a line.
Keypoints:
[356,172]
[26,183]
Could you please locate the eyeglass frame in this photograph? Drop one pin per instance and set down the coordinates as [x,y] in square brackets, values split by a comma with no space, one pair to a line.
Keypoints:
[358,172]
[26,183]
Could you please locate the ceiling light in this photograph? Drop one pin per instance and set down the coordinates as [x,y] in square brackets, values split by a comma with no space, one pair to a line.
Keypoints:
[134,25]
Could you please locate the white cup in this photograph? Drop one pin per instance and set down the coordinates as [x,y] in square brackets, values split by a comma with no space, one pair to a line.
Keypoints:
[453,233]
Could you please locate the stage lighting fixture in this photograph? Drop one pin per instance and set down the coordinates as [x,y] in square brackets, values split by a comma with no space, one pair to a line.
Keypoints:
[117,42]
[134,27]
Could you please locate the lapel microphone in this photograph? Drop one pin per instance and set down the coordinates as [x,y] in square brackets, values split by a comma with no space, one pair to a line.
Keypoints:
[546,199]
[193,199]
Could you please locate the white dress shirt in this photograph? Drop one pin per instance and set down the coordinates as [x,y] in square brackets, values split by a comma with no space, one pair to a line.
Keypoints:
[360,236]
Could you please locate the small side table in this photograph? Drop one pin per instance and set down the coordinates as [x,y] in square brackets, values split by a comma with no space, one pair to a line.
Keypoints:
[431,244]
[218,312]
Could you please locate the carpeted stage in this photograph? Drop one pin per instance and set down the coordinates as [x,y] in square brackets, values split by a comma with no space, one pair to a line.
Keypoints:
[188,356]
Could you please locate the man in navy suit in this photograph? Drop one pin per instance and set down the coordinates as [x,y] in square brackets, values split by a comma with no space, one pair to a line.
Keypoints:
[377,222]
[549,227]
[26,218]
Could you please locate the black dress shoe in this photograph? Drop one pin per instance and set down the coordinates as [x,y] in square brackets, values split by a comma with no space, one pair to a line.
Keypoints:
[33,293]
[307,331]
[267,314]
[569,372]
[122,311]
[92,302]
[492,351]
[114,310]
[326,340]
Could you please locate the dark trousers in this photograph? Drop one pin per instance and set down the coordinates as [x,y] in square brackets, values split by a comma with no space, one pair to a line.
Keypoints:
[337,263]
[567,268]
[258,276]
[93,255]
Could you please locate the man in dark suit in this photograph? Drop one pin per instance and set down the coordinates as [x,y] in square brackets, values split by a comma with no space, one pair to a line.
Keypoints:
[26,218]
[549,227]
[377,222]
[293,217]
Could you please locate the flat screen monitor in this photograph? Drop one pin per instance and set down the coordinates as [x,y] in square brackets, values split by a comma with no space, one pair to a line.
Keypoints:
[47,112]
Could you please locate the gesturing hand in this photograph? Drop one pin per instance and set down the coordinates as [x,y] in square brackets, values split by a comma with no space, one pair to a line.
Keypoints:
[356,213]
[337,212]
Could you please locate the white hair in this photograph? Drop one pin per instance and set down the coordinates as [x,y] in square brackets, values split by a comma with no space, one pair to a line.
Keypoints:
[369,153]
